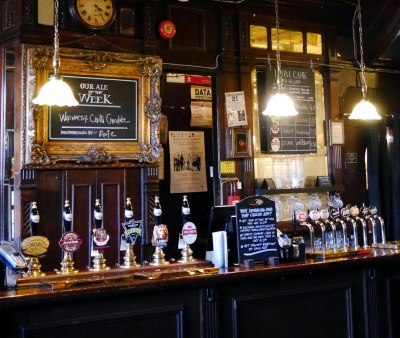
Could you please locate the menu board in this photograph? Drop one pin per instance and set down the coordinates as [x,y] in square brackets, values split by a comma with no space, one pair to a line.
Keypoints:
[107,111]
[294,134]
[256,229]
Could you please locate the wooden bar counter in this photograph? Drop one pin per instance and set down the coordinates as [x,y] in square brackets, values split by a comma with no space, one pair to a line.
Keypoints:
[357,296]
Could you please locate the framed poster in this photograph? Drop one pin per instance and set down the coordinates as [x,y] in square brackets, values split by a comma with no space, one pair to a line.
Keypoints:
[336,132]
[238,142]
[116,122]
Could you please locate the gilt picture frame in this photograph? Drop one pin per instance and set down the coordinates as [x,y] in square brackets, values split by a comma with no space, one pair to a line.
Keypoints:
[116,122]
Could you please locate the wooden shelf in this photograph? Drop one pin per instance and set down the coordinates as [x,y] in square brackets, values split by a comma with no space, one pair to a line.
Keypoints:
[304,190]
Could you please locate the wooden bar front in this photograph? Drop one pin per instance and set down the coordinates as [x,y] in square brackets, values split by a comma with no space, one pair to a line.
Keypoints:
[351,297]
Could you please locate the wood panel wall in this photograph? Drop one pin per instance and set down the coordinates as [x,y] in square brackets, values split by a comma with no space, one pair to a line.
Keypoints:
[50,188]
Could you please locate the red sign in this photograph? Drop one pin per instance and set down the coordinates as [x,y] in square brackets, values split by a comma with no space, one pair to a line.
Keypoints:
[70,241]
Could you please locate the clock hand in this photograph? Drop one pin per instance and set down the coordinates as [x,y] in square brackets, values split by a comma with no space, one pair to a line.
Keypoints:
[99,10]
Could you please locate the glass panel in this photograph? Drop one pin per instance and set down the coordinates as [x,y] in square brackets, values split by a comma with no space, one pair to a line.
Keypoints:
[45,10]
[7,144]
[289,41]
[307,165]
[314,43]
[258,37]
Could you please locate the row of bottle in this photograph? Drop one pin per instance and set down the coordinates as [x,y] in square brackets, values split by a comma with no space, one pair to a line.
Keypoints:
[341,229]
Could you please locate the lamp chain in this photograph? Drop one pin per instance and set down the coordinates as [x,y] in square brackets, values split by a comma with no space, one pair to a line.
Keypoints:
[278,54]
[56,55]
[362,64]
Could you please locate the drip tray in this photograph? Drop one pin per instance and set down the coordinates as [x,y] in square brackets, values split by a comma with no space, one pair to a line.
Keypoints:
[329,254]
[176,273]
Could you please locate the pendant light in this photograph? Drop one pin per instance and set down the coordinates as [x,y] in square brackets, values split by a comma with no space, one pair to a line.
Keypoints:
[279,104]
[56,92]
[364,110]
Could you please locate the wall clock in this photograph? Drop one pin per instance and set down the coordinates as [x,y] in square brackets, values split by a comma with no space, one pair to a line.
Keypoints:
[93,14]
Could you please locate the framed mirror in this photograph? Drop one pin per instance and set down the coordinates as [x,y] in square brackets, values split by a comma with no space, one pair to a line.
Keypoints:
[116,121]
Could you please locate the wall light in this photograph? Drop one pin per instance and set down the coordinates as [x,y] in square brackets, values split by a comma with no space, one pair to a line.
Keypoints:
[56,92]
[280,104]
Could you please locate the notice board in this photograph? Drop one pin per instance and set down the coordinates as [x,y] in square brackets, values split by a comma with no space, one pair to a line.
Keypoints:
[294,134]
[256,229]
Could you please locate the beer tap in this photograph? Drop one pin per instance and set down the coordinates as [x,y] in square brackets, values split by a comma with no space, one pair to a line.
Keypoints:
[373,211]
[335,213]
[368,218]
[314,219]
[354,212]
[324,216]
[345,213]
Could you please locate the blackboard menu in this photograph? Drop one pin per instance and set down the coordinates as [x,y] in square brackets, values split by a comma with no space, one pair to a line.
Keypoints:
[294,134]
[256,229]
[107,111]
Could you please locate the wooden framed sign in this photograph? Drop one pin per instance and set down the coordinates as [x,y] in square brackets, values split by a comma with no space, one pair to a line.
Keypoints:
[116,122]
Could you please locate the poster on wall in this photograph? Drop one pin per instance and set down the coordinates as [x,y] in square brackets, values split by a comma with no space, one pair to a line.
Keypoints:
[187,162]
[235,109]
[293,134]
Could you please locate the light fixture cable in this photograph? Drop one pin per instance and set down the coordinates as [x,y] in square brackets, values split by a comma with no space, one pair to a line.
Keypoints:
[364,110]
[279,104]
[56,91]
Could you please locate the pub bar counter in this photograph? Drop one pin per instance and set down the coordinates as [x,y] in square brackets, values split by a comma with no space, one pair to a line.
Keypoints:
[356,296]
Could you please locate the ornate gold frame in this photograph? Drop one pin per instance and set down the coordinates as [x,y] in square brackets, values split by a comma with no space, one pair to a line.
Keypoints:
[38,150]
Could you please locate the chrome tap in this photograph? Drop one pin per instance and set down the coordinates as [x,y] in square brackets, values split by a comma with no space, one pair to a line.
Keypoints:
[354,212]
[324,215]
[369,218]
[335,216]
[373,211]
[345,213]
[314,217]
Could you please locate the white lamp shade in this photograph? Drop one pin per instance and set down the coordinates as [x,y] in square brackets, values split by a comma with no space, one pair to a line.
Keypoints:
[280,105]
[364,110]
[56,92]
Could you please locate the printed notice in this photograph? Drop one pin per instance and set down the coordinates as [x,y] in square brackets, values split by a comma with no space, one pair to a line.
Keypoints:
[235,109]
[187,161]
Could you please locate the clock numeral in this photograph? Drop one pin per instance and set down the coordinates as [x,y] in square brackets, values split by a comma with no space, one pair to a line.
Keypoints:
[107,14]
[84,12]
[89,18]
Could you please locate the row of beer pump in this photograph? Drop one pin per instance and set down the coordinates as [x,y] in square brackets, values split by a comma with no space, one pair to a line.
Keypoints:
[35,246]
[341,230]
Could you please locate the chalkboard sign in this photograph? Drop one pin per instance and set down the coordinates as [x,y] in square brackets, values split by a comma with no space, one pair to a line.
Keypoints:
[256,229]
[294,134]
[324,181]
[107,111]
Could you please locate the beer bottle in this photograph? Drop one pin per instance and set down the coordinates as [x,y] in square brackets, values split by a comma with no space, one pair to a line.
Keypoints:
[67,217]
[98,215]
[34,219]
[185,210]
[128,210]
[157,212]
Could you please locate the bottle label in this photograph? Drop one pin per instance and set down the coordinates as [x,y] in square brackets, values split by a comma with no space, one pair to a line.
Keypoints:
[68,217]
[157,212]
[128,213]
[186,211]
[98,215]
[35,218]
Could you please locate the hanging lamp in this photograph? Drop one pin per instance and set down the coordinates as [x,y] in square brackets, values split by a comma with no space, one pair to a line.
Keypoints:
[364,110]
[56,92]
[280,104]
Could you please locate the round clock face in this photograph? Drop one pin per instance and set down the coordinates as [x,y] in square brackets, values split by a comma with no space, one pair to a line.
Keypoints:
[94,14]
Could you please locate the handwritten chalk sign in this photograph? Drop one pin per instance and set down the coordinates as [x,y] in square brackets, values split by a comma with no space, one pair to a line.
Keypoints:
[256,229]
[107,111]
[293,134]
